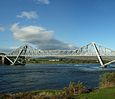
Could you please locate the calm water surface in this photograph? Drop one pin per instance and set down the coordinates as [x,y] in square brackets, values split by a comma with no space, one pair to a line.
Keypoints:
[33,76]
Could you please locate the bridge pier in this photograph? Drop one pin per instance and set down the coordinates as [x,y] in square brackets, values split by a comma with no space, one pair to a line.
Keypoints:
[3,59]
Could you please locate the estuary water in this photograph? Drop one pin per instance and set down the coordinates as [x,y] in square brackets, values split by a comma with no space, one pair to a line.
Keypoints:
[33,77]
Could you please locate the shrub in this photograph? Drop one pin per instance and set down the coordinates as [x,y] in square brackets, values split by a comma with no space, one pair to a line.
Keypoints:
[75,88]
[107,80]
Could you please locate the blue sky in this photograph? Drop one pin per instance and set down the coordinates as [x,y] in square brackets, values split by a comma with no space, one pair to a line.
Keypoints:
[53,24]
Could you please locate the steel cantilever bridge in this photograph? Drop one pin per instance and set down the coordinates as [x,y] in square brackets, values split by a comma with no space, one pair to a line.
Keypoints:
[92,49]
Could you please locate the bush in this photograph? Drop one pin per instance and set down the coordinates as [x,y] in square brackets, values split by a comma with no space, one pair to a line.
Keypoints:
[107,80]
[75,88]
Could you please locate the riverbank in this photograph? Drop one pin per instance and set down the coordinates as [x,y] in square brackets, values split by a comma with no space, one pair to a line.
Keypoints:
[58,61]
[65,60]
[106,93]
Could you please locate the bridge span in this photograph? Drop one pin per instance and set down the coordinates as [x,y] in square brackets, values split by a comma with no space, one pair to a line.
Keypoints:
[17,56]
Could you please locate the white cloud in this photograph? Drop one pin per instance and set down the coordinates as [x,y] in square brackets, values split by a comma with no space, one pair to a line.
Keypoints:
[38,36]
[43,2]
[30,33]
[1,29]
[28,15]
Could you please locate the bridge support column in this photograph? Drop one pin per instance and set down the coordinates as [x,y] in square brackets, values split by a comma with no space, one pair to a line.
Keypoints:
[3,59]
[98,54]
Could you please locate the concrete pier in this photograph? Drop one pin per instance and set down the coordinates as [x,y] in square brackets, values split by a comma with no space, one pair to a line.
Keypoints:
[8,60]
[2,59]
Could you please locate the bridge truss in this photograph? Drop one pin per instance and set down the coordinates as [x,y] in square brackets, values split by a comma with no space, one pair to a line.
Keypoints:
[92,49]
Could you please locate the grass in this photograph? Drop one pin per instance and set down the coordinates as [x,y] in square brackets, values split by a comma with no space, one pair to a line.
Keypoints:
[107,80]
[106,93]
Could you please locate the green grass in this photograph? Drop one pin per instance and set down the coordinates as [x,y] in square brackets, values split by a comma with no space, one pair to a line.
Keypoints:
[106,93]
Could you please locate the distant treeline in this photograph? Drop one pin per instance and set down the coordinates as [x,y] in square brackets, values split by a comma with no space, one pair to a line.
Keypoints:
[60,61]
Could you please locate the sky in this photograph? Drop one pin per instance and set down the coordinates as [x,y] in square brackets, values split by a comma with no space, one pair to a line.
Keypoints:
[57,24]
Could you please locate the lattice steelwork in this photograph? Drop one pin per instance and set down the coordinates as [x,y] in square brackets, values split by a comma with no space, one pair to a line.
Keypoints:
[87,50]
[91,49]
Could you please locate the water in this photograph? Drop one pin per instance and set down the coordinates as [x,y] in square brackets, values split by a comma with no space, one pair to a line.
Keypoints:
[35,76]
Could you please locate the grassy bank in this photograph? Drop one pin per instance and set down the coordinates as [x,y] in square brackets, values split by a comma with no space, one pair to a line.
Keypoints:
[106,93]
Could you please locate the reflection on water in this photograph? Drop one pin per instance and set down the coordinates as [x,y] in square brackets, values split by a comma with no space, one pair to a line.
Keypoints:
[34,77]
